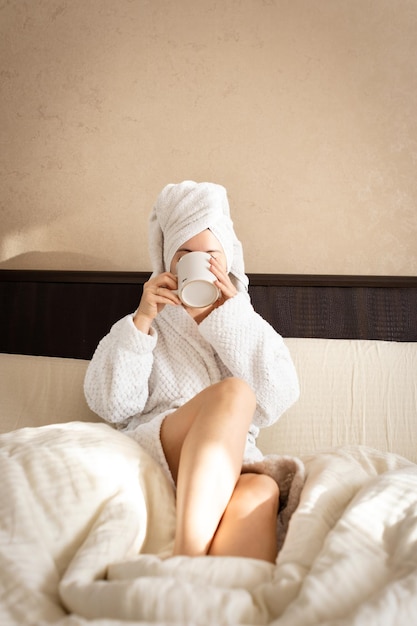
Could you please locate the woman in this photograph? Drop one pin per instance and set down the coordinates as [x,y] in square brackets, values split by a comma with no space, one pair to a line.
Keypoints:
[193,386]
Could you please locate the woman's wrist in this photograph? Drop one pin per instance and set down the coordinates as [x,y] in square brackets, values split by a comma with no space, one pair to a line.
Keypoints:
[142,322]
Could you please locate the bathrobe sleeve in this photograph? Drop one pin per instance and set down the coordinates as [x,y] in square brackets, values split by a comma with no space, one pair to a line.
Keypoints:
[253,351]
[116,381]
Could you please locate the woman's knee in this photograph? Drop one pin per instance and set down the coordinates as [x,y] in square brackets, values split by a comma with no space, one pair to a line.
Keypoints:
[258,490]
[240,391]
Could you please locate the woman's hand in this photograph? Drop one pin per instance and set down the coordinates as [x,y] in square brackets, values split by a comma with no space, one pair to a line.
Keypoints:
[157,292]
[223,282]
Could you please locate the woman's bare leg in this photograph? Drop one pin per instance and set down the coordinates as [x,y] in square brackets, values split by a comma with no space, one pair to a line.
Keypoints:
[248,526]
[204,442]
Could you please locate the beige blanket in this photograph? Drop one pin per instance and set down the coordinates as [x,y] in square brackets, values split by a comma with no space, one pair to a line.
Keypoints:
[87,521]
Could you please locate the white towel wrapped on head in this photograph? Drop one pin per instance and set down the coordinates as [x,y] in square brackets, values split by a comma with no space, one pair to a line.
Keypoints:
[184,210]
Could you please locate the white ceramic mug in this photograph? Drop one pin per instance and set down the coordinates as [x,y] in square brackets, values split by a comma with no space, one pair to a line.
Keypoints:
[196,286]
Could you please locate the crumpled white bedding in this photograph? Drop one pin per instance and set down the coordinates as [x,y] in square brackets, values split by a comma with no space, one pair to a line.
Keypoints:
[87,521]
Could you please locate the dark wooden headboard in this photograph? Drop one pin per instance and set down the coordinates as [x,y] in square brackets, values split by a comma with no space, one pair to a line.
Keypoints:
[66,313]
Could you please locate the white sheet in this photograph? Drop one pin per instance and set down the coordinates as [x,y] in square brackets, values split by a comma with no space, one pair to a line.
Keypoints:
[41,390]
[87,519]
[352,391]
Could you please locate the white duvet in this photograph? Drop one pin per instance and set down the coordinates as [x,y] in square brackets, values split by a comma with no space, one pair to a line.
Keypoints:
[87,521]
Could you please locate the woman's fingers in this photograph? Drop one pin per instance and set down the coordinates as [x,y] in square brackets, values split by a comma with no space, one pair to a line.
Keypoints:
[223,280]
[157,292]
[162,285]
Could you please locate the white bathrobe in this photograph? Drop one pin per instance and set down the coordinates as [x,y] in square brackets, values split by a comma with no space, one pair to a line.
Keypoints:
[134,380]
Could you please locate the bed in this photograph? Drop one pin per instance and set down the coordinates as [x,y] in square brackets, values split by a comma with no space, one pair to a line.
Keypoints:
[87,518]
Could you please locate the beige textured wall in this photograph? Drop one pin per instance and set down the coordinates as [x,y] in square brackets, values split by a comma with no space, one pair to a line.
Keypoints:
[304,109]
